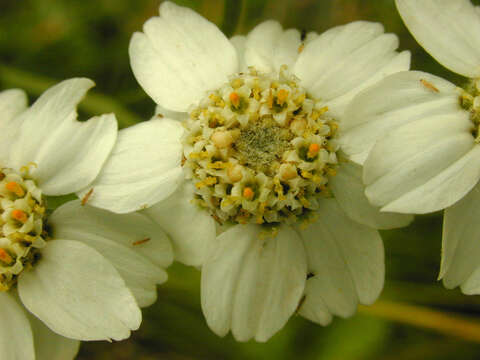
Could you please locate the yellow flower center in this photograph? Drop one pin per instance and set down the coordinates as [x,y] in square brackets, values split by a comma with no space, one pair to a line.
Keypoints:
[470,101]
[260,149]
[22,219]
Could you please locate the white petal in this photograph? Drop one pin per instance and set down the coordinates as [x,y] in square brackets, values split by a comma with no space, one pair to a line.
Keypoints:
[162,112]
[346,260]
[51,346]
[348,189]
[12,103]
[191,228]
[344,58]
[460,246]
[448,30]
[252,285]
[16,338]
[400,62]
[68,154]
[286,49]
[268,47]
[137,247]
[400,98]
[260,45]
[239,42]
[143,168]
[179,56]
[78,294]
[423,166]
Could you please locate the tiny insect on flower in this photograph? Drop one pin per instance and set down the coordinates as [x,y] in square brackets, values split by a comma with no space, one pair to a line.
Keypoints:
[429,85]
[87,196]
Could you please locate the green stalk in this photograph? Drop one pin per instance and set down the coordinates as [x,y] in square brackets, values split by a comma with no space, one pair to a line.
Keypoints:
[423,317]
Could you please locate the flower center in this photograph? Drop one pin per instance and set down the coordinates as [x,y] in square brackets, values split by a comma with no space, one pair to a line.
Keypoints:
[260,149]
[22,219]
[470,101]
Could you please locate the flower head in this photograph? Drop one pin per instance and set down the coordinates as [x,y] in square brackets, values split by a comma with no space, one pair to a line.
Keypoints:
[77,270]
[249,148]
[424,131]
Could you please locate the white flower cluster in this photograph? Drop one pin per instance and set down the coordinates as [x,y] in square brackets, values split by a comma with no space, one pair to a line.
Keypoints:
[252,134]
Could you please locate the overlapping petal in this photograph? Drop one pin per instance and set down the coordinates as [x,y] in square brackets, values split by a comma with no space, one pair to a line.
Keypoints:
[161,112]
[239,41]
[423,166]
[137,248]
[346,264]
[191,229]
[460,247]
[12,103]
[16,338]
[51,346]
[346,59]
[179,56]
[66,154]
[251,285]
[78,294]
[448,30]
[268,47]
[143,168]
[260,45]
[395,101]
[349,191]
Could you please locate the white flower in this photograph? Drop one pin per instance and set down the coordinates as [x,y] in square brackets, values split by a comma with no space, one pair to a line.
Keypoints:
[258,152]
[81,272]
[427,157]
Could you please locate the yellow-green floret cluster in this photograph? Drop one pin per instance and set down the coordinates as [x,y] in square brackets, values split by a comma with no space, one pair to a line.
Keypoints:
[260,150]
[22,218]
[470,101]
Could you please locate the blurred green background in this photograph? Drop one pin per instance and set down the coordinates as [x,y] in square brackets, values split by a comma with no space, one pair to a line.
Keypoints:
[43,41]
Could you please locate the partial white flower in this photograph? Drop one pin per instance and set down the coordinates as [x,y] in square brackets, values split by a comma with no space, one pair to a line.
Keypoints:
[81,272]
[259,154]
[418,135]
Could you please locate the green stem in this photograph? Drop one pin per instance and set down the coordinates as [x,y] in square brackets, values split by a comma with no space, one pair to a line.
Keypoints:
[423,317]
[93,104]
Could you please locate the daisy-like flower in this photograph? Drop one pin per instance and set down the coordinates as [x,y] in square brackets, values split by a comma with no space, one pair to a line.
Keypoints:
[427,154]
[80,273]
[249,141]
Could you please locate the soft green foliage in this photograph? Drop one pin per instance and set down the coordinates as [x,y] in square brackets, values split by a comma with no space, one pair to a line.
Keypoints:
[42,41]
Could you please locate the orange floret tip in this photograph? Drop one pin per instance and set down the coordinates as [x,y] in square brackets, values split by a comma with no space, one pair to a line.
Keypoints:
[19,215]
[282,96]
[15,188]
[248,193]
[313,150]
[5,257]
[235,99]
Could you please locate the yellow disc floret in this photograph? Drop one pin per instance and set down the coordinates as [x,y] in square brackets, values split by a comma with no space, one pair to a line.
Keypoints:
[260,149]
[22,217]
[470,101]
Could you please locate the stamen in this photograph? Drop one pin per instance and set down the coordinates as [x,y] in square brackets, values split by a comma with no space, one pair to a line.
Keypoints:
[248,193]
[15,188]
[313,150]
[20,215]
[282,96]
[21,238]
[235,99]
[5,257]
